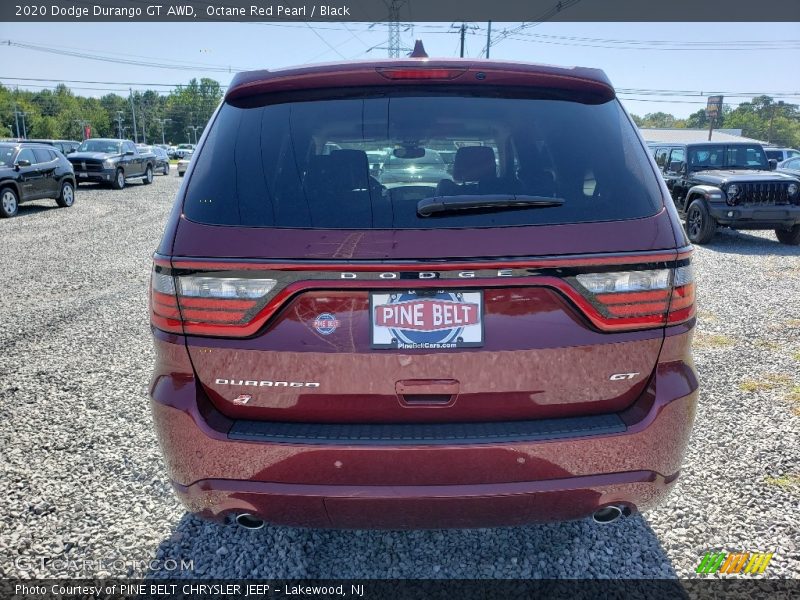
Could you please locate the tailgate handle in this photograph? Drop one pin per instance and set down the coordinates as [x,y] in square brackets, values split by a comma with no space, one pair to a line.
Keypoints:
[427,386]
[427,392]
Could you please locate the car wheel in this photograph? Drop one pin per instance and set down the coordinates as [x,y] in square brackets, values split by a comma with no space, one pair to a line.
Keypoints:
[700,226]
[9,203]
[790,237]
[148,175]
[166,169]
[67,196]
[119,180]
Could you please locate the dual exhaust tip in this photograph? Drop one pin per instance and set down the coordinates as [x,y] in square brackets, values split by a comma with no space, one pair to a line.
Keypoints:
[603,515]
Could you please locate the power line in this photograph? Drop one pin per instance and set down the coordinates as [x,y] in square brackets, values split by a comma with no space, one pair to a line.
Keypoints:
[112,59]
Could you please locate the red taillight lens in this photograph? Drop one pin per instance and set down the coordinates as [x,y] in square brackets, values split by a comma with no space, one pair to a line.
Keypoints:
[205,304]
[639,299]
[419,73]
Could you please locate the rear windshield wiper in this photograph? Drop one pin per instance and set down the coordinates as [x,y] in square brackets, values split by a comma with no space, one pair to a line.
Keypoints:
[442,204]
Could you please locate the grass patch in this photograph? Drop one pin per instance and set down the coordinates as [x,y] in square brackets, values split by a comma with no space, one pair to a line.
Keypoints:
[796,356]
[770,382]
[793,323]
[712,340]
[794,399]
[768,345]
[787,481]
[707,316]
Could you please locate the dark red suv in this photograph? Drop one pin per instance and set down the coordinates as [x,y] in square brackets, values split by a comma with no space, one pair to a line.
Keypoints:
[422,293]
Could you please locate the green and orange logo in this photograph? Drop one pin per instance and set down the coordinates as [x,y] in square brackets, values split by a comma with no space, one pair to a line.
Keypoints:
[751,563]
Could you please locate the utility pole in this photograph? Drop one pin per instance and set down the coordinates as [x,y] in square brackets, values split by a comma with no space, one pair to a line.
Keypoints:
[16,118]
[772,117]
[394,27]
[163,122]
[119,121]
[488,37]
[463,34]
[194,129]
[24,129]
[144,133]
[133,112]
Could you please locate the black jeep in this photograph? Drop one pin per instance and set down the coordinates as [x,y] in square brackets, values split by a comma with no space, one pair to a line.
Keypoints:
[732,185]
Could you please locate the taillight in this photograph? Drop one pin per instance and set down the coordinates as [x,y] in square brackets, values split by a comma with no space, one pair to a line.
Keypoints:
[205,304]
[420,72]
[637,299]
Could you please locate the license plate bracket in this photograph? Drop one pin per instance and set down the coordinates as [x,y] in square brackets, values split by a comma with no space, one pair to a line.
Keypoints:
[426,319]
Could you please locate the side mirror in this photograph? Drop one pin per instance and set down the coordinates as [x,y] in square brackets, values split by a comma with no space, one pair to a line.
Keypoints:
[71,150]
[677,166]
[129,152]
[773,164]
[23,163]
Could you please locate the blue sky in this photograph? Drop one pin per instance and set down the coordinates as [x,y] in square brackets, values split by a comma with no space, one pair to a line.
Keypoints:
[722,56]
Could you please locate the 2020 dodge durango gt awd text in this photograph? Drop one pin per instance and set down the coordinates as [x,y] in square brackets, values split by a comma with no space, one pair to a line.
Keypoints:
[508,344]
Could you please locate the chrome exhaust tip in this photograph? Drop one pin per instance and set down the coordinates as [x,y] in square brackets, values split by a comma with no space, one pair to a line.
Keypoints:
[607,514]
[248,521]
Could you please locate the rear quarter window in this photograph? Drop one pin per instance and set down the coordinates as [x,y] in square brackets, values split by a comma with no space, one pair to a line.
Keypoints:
[364,162]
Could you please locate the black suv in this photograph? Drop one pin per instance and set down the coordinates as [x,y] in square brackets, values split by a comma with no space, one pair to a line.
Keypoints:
[63,146]
[111,161]
[31,172]
[729,184]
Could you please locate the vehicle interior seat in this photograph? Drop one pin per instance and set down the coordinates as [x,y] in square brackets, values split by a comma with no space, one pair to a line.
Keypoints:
[339,188]
[474,172]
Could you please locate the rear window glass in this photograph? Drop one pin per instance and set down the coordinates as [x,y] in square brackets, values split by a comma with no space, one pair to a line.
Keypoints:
[366,162]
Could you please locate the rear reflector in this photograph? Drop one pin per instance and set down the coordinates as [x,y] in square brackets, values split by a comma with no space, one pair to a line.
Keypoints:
[419,73]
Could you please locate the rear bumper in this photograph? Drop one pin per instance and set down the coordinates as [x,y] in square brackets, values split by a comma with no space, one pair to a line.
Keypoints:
[756,217]
[455,484]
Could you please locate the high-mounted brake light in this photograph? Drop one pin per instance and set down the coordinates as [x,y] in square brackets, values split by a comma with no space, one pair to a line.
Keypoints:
[194,304]
[637,299]
[420,72]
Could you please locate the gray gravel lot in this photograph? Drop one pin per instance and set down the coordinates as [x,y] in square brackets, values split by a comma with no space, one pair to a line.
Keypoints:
[82,479]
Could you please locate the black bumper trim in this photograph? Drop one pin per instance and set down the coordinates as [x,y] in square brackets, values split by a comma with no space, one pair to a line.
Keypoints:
[420,434]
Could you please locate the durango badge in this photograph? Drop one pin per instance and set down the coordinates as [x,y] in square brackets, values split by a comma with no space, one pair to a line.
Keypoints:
[437,321]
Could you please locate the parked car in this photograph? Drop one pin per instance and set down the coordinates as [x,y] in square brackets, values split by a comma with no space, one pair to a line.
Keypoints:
[729,184]
[781,154]
[426,166]
[181,150]
[790,167]
[111,161]
[30,171]
[507,346]
[64,146]
[160,158]
[183,164]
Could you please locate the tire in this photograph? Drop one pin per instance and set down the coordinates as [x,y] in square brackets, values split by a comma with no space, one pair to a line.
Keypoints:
[181,173]
[67,196]
[119,180]
[9,203]
[148,175]
[790,237]
[166,169]
[700,225]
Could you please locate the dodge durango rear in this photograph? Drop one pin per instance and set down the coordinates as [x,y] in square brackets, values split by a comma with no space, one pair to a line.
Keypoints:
[422,293]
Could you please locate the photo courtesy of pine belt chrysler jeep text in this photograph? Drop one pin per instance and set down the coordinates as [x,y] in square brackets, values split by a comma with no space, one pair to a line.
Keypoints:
[408,294]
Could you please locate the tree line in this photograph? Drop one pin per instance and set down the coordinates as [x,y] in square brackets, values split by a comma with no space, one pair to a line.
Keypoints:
[762,119]
[174,117]
[181,114]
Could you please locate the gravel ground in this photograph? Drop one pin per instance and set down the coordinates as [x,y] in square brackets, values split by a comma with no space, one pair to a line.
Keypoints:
[84,485]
